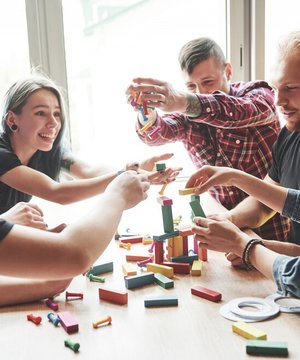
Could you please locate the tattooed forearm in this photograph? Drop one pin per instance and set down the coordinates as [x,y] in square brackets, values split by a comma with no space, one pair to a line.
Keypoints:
[193,108]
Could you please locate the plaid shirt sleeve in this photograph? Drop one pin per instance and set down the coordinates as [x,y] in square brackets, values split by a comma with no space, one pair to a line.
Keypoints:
[248,105]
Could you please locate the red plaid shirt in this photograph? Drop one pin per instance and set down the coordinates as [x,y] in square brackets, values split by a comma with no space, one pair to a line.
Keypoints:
[235,130]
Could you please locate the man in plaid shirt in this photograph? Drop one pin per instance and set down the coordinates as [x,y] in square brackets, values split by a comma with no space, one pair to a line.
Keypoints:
[219,123]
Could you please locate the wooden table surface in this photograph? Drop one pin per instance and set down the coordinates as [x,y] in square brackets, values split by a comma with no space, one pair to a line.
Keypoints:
[194,329]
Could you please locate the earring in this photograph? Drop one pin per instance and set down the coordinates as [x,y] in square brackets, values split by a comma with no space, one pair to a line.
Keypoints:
[14,127]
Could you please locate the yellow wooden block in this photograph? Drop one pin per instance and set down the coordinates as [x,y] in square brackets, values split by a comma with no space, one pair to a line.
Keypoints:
[129,269]
[196,268]
[170,247]
[147,241]
[248,331]
[177,246]
[168,271]
[187,191]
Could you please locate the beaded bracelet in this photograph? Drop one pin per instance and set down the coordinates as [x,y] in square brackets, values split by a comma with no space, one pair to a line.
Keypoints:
[246,253]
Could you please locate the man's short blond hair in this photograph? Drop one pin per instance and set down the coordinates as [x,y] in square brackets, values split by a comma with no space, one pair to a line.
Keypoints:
[289,44]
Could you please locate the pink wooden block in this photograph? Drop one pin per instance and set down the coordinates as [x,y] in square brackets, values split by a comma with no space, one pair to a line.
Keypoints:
[68,322]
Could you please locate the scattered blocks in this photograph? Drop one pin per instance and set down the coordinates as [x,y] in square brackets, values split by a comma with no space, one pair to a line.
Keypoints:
[72,345]
[206,293]
[264,347]
[139,280]
[35,319]
[68,322]
[153,301]
[114,296]
[106,321]
[248,331]
[163,281]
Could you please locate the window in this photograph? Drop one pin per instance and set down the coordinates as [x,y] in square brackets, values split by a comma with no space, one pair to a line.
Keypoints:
[14,43]
[110,42]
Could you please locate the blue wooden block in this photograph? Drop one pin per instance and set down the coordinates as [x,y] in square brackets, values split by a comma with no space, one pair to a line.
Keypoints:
[170,300]
[185,259]
[101,269]
[135,281]
[165,236]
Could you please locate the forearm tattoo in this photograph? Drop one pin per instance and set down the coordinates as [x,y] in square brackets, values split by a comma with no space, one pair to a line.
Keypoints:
[193,108]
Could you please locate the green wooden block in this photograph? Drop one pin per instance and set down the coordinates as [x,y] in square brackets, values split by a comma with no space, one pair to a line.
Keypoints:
[266,347]
[170,300]
[197,209]
[160,167]
[167,218]
[195,197]
[163,281]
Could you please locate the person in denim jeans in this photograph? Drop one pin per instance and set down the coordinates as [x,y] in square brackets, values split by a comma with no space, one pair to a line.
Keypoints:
[278,192]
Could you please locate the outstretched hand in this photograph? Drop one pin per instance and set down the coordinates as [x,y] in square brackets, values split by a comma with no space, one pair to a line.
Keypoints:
[157,177]
[209,176]
[157,93]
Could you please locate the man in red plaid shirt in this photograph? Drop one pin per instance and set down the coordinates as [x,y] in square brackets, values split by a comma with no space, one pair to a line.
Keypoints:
[219,123]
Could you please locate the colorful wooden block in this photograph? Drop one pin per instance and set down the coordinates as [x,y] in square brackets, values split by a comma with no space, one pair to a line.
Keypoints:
[101,268]
[185,231]
[160,166]
[68,322]
[206,293]
[248,331]
[197,209]
[196,268]
[167,216]
[163,281]
[133,282]
[129,269]
[136,257]
[159,252]
[185,259]
[187,191]
[153,301]
[179,268]
[114,296]
[131,239]
[164,200]
[264,347]
[162,269]
[165,236]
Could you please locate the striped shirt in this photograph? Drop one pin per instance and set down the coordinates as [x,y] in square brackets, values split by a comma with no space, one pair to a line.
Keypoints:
[235,130]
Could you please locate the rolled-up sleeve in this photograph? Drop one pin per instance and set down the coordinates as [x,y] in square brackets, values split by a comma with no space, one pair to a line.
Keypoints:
[286,273]
[291,208]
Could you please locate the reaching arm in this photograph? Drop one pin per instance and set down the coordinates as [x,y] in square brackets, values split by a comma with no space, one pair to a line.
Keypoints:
[254,210]
[223,236]
[32,253]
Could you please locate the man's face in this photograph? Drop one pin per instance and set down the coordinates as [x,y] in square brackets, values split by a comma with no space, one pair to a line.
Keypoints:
[208,76]
[286,82]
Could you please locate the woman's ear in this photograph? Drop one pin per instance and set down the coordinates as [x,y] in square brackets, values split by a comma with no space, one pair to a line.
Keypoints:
[228,71]
[11,121]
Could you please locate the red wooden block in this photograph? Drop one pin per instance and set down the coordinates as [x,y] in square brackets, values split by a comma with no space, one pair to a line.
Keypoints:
[68,322]
[118,297]
[164,200]
[136,257]
[206,293]
[131,239]
[179,268]
[184,231]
